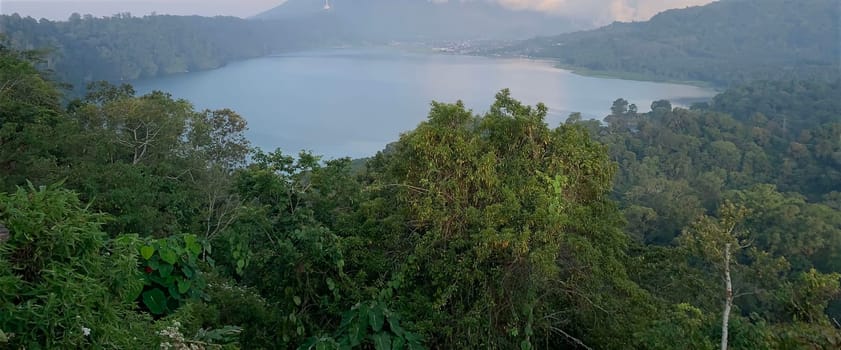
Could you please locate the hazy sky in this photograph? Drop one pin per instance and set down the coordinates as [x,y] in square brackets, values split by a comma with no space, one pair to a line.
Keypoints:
[601,10]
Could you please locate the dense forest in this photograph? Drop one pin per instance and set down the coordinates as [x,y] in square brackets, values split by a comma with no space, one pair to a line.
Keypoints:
[85,49]
[140,222]
[725,42]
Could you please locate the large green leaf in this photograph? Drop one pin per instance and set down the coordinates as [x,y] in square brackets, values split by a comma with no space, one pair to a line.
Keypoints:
[382,341]
[394,324]
[308,344]
[398,344]
[414,341]
[347,318]
[324,346]
[192,245]
[357,329]
[155,301]
[188,271]
[168,255]
[147,251]
[133,291]
[183,286]
[165,270]
[376,318]
[156,279]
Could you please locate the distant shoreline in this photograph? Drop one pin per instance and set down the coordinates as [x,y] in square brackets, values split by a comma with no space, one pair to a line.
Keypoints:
[595,73]
[409,48]
[634,76]
[587,72]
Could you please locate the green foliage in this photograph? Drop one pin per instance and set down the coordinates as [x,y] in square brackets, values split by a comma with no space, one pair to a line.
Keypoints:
[368,325]
[785,108]
[29,120]
[509,223]
[685,327]
[225,335]
[230,303]
[173,337]
[807,234]
[156,164]
[694,157]
[279,247]
[63,284]
[678,164]
[171,273]
[492,231]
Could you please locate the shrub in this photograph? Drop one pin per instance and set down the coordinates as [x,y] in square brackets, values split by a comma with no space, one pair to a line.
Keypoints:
[63,284]
[172,276]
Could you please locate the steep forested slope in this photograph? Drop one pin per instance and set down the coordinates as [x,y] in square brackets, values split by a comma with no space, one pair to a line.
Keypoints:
[122,47]
[723,42]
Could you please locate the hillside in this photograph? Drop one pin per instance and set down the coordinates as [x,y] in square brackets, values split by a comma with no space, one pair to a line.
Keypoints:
[85,48]
[721,43]
[376,20]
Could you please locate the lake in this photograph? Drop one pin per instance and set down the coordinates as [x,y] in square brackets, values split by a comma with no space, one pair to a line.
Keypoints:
[352,102]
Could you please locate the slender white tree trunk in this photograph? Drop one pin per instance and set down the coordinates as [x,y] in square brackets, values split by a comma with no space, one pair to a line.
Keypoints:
[728,301]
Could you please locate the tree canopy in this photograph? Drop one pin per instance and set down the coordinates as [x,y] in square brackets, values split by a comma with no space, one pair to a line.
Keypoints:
[133,221]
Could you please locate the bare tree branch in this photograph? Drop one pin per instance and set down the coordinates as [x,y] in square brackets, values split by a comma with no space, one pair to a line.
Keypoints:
[568,336]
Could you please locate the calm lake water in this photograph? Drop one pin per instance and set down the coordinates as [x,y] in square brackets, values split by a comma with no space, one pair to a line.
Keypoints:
[352,102]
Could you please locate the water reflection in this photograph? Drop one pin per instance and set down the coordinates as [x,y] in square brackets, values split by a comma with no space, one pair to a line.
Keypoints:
[353,102]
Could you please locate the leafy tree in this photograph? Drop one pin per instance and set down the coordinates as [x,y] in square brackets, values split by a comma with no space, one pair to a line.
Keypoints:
[278,246]
[505,215]
[719,243]
[30,119]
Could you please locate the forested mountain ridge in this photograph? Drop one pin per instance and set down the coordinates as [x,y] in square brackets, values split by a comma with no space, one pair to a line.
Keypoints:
[120,48]
[727,41]
[139,222]
[382,20]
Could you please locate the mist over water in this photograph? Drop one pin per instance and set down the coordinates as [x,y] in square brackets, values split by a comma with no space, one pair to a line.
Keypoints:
[352,102]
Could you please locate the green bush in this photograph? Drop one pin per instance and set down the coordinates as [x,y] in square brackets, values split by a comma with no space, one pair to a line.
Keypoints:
[368,325]
[63,284]
[171,273]
[227,304]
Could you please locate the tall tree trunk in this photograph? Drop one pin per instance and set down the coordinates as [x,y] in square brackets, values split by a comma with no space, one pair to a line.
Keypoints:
[728,301]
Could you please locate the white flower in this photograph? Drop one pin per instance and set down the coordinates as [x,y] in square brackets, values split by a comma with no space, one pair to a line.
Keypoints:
[86,331]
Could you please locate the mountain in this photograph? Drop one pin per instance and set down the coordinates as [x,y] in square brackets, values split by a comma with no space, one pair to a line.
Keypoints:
[721,43]
[375,20]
